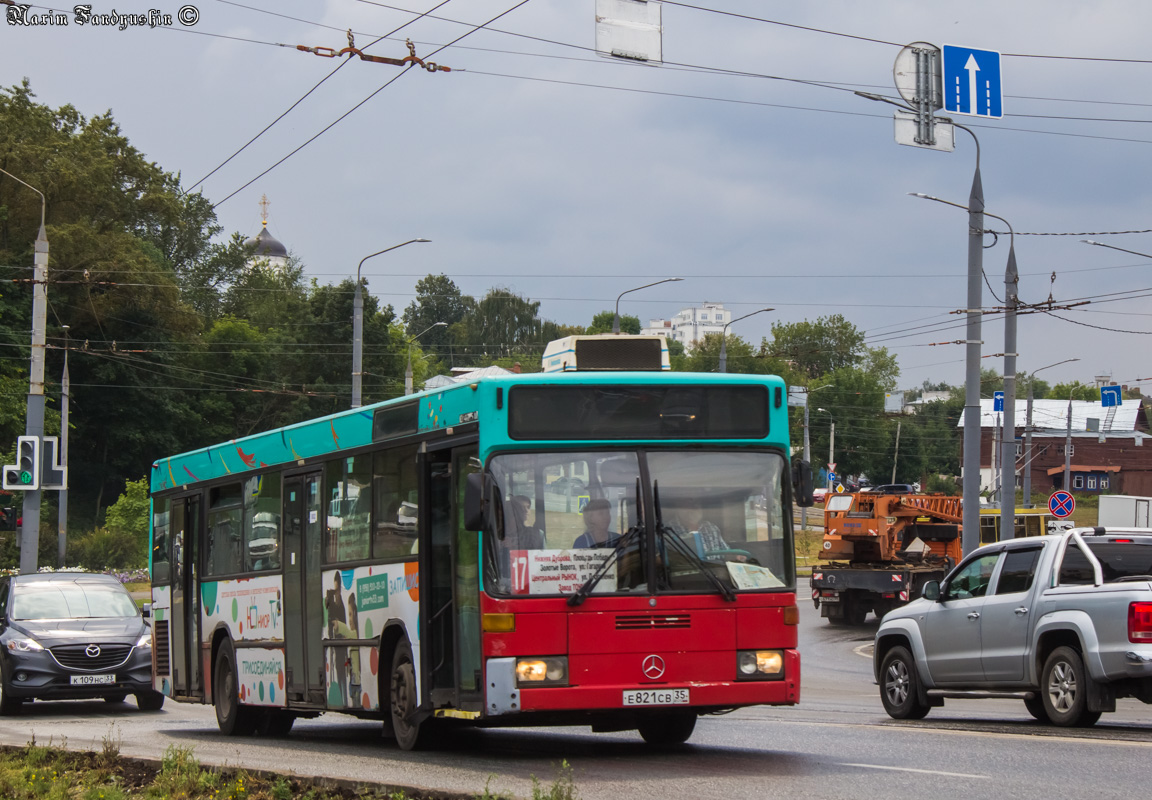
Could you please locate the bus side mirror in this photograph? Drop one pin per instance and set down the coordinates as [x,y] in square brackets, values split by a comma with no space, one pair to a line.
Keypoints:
[802,484]
[474,492]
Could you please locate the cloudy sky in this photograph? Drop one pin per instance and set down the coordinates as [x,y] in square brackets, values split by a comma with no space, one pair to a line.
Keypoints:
[744,164]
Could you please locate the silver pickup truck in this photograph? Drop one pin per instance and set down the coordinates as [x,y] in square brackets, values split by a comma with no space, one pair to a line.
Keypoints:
[1062,622]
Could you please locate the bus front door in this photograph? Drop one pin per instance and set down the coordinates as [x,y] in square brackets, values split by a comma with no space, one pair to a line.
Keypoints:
[450,584]
[303,622]
[186,680]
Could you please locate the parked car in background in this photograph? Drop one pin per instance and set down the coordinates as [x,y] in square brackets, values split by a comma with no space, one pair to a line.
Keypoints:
[819,495]
[73,635]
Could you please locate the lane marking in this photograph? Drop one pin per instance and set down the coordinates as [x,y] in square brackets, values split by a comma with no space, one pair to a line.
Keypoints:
[921,729]
[918,771]
[860,650]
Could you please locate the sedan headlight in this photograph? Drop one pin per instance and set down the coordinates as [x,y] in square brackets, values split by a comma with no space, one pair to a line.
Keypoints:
[546,671]
[145,641]
[24,646]
[760,664]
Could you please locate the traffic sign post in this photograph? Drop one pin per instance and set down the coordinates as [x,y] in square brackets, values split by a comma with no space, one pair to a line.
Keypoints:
[1061,504]
[972,82]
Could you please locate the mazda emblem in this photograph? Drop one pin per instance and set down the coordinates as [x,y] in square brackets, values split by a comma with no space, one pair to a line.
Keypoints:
[653,667]
[92,651]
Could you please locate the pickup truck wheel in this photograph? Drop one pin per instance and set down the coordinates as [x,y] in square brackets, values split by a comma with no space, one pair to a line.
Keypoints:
[1064,690]
[900,686]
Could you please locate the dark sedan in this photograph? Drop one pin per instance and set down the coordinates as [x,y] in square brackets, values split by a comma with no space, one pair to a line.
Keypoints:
[72,635]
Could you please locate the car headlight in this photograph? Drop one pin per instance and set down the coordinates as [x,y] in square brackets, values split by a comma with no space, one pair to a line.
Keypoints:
[145,640]
[760,664]
[24,646]
[547,671]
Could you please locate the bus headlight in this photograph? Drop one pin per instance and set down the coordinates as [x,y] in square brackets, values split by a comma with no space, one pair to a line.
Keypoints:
[760,664]
[547,671]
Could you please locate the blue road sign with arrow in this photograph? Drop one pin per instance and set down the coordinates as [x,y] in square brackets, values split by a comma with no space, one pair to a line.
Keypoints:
[998,401]
[972,82]
[1110,396]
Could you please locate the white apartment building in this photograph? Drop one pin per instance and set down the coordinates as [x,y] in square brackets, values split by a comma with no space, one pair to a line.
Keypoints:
[691,325]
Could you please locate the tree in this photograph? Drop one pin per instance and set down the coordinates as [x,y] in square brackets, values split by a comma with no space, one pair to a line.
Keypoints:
[438,299]
[1077,391]
[603,322]
[820,347]
[741,357]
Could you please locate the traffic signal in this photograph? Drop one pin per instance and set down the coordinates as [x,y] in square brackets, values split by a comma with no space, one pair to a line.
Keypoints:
[8,518]
[25,473]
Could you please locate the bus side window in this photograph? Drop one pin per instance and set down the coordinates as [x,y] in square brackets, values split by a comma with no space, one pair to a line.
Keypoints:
[223,553]
[394,500]
[262,523]
[160,532]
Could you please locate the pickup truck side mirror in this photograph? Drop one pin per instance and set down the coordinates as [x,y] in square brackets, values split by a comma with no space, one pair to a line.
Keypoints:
[802,484]
[931,591]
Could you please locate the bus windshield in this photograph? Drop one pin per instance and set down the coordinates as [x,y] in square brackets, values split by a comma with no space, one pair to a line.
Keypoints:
[712,520]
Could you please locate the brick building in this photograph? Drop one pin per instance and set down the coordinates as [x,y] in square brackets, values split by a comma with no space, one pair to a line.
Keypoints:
[1111,451]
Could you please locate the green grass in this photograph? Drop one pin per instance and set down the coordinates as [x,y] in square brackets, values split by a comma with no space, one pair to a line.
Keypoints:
[50,772]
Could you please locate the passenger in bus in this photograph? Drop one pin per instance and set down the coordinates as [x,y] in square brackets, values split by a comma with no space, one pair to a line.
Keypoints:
[520,535]
[700,534]
[597,518]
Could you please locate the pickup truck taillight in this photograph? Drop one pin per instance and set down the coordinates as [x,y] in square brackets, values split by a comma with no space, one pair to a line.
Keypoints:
[1140,622]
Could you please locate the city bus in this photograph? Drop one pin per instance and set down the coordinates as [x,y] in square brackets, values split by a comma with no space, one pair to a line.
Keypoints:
[603,549]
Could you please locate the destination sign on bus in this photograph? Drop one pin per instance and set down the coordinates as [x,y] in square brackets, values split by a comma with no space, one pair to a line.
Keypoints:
[560,571]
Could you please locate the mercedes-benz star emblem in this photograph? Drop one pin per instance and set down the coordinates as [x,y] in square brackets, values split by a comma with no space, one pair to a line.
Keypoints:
[93,650]
[653,667]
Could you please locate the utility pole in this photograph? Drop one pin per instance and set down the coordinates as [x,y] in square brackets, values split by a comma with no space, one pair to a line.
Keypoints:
[807,459]
[34,421]
[896,454]
[1068,446]
[1008,437]
[62,517]
[1028,449]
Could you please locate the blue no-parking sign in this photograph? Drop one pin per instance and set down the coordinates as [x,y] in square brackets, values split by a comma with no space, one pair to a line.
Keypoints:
[971,81]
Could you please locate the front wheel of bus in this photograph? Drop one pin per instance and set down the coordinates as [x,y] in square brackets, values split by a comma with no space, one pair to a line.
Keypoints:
[403,700]
[668,729]
[233,718]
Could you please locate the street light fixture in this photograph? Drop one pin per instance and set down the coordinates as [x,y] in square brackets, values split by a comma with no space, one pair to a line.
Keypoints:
[358,323]
[1028,434]
[724,337]
[408,371]
[616,316]
[1114,247]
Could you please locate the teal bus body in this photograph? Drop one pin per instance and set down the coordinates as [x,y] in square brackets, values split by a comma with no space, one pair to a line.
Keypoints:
[327,565]
[439,410]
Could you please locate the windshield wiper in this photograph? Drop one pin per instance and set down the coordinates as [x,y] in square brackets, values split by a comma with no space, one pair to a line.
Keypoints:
[682,547]
[581,594]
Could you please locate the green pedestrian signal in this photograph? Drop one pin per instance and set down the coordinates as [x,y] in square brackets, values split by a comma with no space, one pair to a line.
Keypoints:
[25,473]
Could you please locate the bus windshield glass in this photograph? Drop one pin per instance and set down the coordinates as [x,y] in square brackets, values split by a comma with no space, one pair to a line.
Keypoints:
[565,518]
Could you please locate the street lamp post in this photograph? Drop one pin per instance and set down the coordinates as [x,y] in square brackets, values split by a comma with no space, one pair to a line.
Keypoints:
[408,371]
[1028,434]
[724,340]
[831,444]
[616,316]
[358,323]
[1068,442]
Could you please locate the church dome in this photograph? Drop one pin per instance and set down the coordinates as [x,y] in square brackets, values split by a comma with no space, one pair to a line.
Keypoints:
[266,246]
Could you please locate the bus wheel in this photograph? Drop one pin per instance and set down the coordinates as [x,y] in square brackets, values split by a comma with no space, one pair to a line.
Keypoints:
[277,722]
[668,729]
[403,699]
[233,718]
